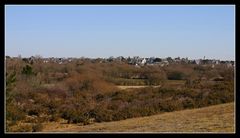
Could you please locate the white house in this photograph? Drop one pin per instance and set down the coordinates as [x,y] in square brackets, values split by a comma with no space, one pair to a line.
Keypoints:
[144,61]
[197,61]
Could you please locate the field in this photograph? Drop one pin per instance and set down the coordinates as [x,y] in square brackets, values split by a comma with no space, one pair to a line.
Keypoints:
[217,118]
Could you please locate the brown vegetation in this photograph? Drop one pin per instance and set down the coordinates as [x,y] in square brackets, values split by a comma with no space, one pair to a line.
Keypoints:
[85,91]
[213,119]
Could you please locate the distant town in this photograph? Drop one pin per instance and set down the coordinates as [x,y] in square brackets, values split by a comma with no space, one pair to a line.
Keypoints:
[135,60]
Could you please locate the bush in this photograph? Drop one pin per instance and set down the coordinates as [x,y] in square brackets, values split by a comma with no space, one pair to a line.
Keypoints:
[156,78]
[175,75]
[23,128]
[37,127]
[86,85]
[99,97]
[166,106]
[35,110]
[103,115]
[121,115]
[27,70]
[14,113]
[54,118]
[188,103]
[75,116]
[10,81]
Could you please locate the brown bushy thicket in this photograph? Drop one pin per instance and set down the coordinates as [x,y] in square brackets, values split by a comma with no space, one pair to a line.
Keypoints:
[84,92]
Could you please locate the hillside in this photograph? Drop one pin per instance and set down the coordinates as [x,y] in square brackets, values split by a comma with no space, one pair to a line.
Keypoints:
[217,118]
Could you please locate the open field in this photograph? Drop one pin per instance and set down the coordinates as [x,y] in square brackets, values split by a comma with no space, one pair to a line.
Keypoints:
[217,118]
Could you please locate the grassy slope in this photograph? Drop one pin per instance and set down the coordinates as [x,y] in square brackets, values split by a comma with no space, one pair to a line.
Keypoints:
[218,118]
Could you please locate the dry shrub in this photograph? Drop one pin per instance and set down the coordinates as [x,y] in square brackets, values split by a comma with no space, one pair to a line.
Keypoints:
[22,128]
[14,113]
[103,86]
[37,127]
[88,82]
[23,86]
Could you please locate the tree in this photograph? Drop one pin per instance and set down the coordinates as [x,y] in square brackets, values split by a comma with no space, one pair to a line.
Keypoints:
[8,57]
[27,70]
[10,83]
[11,79]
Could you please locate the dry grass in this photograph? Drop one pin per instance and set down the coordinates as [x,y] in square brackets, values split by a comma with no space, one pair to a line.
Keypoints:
[218,118]
[174,83]
[135,87]
[168,83]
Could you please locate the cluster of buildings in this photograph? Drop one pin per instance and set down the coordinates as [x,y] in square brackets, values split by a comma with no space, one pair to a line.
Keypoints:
[135,60]
[139,61]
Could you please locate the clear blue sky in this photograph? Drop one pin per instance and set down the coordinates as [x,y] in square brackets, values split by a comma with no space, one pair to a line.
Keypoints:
[103,31]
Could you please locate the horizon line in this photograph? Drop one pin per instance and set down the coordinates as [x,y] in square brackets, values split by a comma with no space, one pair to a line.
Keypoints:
[189,58]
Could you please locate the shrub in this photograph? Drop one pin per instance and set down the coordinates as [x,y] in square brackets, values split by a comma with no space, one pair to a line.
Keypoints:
[99,97]
[27,70]
[75,116]
[52,106]
[175,75]
[14,113]
[31,119]
[103,115]
[86,85]
[35,110]
[188,103]
[37,127]
[24,128]
[11,79]
[156,78]
[120,115]
[54,118]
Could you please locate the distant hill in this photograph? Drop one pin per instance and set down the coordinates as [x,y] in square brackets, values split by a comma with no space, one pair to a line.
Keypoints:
[217,118]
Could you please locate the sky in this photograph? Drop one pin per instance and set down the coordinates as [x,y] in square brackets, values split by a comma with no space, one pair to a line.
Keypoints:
[120,30]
